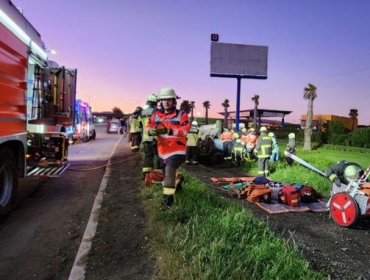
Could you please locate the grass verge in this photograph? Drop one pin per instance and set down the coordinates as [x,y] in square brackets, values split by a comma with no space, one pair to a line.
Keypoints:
[207,237]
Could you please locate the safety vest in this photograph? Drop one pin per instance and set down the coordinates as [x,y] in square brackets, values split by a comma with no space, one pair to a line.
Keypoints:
[135,124]
[146,114]
[251,139]
[264,146]
[227,136]
[173,143]
[238,149]
[192,137]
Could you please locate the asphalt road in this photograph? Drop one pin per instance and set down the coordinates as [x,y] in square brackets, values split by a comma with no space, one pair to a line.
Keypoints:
[40,238]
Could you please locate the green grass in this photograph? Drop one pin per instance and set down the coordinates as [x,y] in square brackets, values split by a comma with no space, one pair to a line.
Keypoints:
[205,236]
[321,158]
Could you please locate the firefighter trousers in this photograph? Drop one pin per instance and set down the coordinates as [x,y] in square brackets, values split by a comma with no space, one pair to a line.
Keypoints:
[192,154]
[135,141]
[171,165]
[263,166]
[151,159]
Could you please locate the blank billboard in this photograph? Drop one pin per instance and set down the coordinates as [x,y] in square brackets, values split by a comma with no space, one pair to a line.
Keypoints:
[236,60]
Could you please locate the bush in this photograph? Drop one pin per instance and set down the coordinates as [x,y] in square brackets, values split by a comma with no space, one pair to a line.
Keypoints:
[361,137]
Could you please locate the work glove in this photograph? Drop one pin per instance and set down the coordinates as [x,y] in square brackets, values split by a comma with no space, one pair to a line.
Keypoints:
[161,130]
[152,132]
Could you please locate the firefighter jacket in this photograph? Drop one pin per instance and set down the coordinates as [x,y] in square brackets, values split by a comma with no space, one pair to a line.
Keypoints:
[227,136]
[145,116]
[275,145]
[192,137]
[291,145]
[174,141]
[135,123]
[264,146]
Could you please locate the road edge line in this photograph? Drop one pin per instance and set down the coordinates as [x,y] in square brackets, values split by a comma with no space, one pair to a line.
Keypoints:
[78,270]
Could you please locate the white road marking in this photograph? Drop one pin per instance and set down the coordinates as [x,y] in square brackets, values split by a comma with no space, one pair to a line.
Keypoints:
[78,270]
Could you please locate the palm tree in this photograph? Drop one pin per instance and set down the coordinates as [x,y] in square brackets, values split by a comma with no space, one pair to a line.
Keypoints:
[255,98]
[185,106]
[192,107]
[226,105]
[206,105]
[310,95]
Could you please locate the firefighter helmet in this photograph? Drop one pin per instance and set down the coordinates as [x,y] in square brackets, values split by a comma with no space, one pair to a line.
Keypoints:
[251,129]
[351,172]
[152,98]
[291,135]
[271,134]
[167,93]
[263,129]
[194,123]
[244,130]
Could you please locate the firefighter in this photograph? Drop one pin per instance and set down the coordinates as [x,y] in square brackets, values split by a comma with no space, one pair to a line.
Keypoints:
[291,147]
[171,126]
[227,138]
[151,160]
[135,129]
[263,150]
[343,172]
[275,148]
[193,137]
[250,142]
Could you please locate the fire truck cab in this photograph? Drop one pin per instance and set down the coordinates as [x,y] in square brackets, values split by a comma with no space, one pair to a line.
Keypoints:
[37,99]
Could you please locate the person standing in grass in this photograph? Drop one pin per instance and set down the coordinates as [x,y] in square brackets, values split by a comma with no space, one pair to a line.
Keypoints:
[291,147]
[171,126]
[193,137]
[263,151]
[275,148]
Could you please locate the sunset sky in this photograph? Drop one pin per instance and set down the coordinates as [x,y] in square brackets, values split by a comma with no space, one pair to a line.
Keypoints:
[125,50]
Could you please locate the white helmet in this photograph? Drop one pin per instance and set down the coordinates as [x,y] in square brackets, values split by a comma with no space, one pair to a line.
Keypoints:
[271,134]
[251,129]
[263,129]
[351,172]
[244,129]
[194,123]
[167,93]
[291,135]
[152,98]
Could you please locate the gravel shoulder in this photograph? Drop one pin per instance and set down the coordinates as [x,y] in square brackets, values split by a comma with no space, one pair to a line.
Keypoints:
[120,246]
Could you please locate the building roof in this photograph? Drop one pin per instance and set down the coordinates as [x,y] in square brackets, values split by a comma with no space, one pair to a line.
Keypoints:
[263,113]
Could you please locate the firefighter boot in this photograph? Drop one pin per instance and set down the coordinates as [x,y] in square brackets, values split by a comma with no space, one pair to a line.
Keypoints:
[168,201]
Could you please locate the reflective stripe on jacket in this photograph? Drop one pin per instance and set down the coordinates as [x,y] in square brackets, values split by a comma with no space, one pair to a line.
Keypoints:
[178,124]
[264,146]
[146,114]
[192,137]
[135,124]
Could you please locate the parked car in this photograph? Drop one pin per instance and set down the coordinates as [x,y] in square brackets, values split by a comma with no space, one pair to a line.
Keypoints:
[114,126]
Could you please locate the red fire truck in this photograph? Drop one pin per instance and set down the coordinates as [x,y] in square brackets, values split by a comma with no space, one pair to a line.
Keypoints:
[37,99]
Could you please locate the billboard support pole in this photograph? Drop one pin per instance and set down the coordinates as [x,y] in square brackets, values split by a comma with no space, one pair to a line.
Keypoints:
[238,104]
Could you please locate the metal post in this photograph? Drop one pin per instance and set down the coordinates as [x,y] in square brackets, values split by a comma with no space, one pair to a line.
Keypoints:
[238,105]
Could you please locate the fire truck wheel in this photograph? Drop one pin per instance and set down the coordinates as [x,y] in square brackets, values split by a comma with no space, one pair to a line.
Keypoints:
[344,209]
[8,181]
